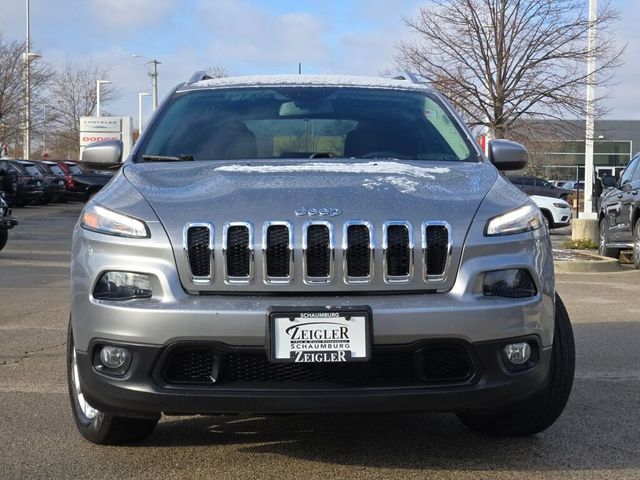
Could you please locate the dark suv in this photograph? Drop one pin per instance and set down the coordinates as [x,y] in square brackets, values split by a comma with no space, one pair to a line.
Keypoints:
[28,187]
[619,215]
[54,188]
[539,186]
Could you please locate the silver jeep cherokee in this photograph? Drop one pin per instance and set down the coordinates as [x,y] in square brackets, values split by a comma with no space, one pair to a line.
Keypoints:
[313,244]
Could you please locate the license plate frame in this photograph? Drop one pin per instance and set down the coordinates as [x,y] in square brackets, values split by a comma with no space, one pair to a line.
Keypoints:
[332,317]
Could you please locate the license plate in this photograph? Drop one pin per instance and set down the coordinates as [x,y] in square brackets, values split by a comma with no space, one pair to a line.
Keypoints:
[320,336]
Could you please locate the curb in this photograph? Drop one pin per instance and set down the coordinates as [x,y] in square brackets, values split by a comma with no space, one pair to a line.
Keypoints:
[597,265]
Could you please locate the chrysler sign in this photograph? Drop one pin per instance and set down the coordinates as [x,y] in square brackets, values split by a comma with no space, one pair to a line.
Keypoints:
[99,129]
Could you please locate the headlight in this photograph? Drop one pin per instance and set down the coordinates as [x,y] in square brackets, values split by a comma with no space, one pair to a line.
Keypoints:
[561,205]
[122,286]
[523,219]
[102,220]
[512,283]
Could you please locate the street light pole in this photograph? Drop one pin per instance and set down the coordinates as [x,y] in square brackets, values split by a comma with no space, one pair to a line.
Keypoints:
[98,83]
[591,93]
[140,95]
[154,83]
[26,147]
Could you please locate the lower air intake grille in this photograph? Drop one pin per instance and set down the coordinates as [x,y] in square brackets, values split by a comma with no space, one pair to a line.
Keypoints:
[437,251]
[198,240]
[432,364]
[190,366]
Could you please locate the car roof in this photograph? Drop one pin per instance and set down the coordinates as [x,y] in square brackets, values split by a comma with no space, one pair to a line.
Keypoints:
[248,81]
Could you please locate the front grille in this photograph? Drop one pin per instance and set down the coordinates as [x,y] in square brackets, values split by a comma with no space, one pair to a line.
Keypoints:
[358,242]
[278,251]
[198,240]
[358,251]
[238,251]
[318,251]
[436,249]
[430,364]
[398,254]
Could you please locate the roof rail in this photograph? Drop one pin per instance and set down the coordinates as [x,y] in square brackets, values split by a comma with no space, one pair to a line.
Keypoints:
[406,75]
[199,76]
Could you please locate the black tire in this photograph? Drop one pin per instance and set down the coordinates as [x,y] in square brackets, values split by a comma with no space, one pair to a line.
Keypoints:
[603,239]
[540,411]
[102,428]
[548,219]
[4,235]
[636,244]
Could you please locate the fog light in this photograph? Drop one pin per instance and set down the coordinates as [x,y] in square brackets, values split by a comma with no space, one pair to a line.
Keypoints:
[114,357]
[518,353]
[512,283]
[122,286]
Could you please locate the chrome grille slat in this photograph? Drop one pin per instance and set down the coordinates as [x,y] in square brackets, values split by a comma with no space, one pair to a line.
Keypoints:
[398,251]
[237,251]
[198,247]
[318,252]
[277,252]
[436,250]
[358,251]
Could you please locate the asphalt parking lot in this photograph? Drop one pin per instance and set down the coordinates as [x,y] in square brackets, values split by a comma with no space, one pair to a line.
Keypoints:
[597,437]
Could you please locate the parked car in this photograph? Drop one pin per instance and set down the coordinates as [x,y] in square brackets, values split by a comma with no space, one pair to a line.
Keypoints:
[299,244]
[82,183]
[619,215]
[29,189]
[573,185]
[538,186]
[7,222]
[53,184]
[556,212]
[62,176]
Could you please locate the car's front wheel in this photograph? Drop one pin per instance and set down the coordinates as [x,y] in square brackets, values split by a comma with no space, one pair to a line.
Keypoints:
[94,425]
[636,244]
[540,411]
[603,250]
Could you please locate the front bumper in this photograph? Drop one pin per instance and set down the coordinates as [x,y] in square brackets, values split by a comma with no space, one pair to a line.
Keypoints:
[7,223]
[142,392]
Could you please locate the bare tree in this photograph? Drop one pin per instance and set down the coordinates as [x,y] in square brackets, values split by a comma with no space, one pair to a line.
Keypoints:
[73,95]
[503,61]
[12,90]
[217,71]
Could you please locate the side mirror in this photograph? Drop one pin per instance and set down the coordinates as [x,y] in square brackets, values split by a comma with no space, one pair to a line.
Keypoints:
[103,154]
[608,181]
[507,155]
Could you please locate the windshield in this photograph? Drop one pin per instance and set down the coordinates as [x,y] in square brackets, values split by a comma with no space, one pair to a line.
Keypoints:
[306,122]
[56,169]
[74,169]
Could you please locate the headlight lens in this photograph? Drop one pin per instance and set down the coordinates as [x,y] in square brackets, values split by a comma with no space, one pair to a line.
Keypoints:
[512,283]
[122,286]
[523,219]
[561,205]
[103,220]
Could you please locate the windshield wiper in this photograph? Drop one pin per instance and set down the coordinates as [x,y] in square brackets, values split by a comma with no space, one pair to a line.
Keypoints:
[164,158]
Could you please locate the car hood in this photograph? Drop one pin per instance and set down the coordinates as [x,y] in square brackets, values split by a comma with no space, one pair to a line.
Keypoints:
[299,191]
[377,191]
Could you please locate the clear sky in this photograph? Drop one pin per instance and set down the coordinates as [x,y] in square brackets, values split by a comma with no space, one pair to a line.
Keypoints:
[246,37]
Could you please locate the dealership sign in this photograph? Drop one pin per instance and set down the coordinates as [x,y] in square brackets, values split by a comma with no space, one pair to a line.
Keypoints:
[99,129]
